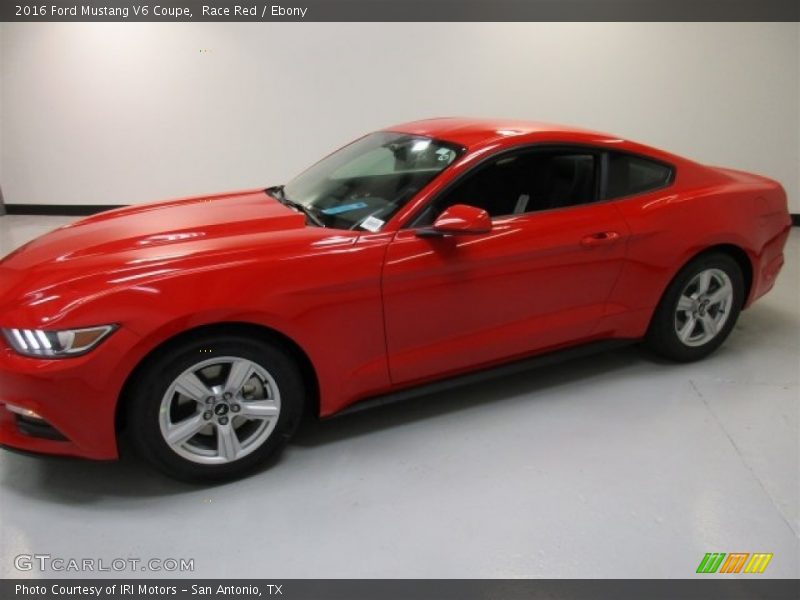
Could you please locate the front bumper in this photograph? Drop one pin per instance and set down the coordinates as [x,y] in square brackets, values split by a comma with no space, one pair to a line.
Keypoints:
[75,398]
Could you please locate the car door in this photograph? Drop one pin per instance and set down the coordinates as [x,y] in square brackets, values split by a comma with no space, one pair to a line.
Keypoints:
[538,280]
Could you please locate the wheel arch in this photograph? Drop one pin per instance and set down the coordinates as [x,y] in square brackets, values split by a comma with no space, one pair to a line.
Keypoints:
[735,251]
[738,254]
[248,329]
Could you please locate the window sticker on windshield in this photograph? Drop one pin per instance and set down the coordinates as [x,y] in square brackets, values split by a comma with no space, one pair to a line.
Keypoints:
[445,155]
[372,224]
[343,208]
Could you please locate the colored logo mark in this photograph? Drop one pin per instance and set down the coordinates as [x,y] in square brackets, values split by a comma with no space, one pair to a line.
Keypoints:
[736,562]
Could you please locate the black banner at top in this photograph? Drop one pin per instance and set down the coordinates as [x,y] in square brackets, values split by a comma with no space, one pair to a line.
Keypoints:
[399,10]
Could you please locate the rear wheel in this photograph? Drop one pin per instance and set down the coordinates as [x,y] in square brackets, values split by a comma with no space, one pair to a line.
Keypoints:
[698,309]
[215,408]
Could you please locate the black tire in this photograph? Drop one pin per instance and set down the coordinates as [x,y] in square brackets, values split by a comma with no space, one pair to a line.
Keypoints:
[154,381]
[662,336]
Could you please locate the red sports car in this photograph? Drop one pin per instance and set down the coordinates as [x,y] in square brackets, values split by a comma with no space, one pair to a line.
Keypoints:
[205,328]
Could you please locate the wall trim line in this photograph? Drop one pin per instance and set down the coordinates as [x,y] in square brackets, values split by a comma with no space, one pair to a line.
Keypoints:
[82,210]
[63,210]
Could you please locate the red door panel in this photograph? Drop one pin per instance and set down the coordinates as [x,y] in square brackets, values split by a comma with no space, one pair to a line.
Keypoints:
[534,282]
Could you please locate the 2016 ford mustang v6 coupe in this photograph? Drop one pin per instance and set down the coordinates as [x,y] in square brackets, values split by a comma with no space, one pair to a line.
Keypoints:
[206,327]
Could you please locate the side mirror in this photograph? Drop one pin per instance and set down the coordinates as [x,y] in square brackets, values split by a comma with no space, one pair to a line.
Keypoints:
[459,219]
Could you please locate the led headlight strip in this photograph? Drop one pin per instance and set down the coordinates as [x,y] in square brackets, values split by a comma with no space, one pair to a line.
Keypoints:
[56,344]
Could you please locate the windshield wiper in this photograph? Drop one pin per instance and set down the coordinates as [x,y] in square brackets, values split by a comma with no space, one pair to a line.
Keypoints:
[280,195]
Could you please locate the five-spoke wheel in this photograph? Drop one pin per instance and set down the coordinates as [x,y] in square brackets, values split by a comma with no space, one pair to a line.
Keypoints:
[220,410]
[213,407]
[703,307]
[698,309]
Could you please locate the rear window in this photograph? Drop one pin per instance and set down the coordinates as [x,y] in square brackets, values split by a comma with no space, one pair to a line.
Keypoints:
[628,174]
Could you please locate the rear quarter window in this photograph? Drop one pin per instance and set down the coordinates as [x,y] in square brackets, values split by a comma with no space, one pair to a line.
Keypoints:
[628,175]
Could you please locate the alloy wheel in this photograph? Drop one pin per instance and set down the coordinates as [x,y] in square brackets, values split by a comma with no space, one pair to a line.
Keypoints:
[219,410]
[703,307]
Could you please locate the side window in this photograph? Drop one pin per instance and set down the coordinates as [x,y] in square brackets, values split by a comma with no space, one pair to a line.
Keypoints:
[629,175]
[522,183]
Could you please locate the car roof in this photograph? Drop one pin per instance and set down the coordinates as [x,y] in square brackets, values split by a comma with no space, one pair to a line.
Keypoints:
[478,132]
[475,134]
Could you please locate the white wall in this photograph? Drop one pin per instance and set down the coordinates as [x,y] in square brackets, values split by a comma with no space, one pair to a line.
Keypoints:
[124,112]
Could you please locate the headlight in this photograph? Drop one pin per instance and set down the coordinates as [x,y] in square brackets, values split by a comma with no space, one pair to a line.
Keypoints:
[56,344]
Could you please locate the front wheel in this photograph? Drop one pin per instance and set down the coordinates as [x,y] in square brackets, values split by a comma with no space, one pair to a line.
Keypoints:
[698,309]
[215,408]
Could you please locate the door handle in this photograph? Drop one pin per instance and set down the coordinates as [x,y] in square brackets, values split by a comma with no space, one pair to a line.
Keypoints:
[601,238]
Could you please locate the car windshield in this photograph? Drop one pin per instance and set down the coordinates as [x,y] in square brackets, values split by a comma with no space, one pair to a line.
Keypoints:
[363,184]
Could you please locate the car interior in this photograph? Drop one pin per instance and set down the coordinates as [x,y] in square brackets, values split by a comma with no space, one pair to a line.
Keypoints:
[523,183]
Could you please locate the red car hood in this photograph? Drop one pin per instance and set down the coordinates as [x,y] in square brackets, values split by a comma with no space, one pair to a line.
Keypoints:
[142,239]
[165,223]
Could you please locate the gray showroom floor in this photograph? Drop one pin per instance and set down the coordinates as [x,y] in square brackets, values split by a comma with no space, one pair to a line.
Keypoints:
[610,466]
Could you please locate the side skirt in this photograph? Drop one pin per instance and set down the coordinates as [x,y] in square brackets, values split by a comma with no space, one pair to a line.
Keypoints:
[542,360]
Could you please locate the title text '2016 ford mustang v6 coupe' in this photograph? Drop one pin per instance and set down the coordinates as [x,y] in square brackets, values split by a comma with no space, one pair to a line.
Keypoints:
[205,328]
